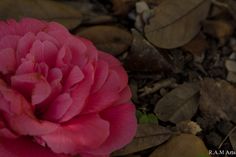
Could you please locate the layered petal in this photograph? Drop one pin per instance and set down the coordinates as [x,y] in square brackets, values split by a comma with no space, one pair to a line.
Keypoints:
[80,94]
[122,128]
[7,60]
[24,147]
[88,131]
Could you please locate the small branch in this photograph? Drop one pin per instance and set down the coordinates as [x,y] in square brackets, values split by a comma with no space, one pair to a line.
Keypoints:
[220,4]
[157,86]
[227,136]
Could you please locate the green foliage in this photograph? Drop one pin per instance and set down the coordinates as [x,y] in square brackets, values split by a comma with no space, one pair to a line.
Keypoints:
[146,117]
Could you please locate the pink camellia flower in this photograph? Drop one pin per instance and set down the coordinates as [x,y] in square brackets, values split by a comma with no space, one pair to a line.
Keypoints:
[59,95]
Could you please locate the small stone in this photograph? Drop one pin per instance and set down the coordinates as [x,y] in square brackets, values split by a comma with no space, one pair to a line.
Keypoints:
[230,65]
[231,77]
[232,56]
[184,145]
[189,127]
[141,7]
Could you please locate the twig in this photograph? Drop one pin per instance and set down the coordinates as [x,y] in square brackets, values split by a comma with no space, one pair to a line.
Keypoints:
[227,136]
[220,4]
[157,86]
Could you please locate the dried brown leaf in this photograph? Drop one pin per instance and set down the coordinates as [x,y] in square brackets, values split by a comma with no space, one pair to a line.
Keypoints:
[41,9]
[220,29]
[110,39]
[176,22]
[217,100]
[184,145]
[197,46]
[178,105]
[122,7]
[148,135]
[145,57]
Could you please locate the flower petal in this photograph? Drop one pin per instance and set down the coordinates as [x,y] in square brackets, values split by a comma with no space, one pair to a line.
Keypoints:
[74,77]
[7,60]
[9,41]
[88,131]
[58,107]
[123,126]
[24,147]
[80,93]
[101,73]
[24,46]
[44,52]
[32,84]
[18,114]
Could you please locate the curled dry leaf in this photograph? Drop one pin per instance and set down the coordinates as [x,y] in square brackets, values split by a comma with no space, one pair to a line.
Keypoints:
[178,105]
[183,145]
[217,100]
[122,7]
[42,9]
[176,22]
[197,46]
[145,57]
[230,5]
[110,39]
[93,12]
[147,136]
[220,29]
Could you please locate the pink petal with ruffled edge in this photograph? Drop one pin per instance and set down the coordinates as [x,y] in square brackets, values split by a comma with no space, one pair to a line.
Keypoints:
[9,41]
[58,107]
[88,131]
[24,147]
[32,84]
[80,93]
[44,52]
[18,114]
[122,128]
[74,77]
[7,60]
[100,76]
[24,46]
[11,27]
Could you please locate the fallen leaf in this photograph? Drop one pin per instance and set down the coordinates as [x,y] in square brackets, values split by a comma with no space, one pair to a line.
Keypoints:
[147,136]
[220,29]
[178,105]
[122,7]
[183,145]
[217,100]
[176,22]
[42,9]
[93,13]
[145,57]
[197,46]
[231,6]
[110,39]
